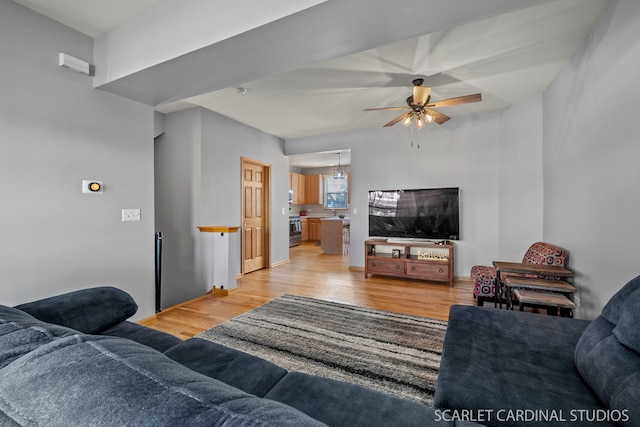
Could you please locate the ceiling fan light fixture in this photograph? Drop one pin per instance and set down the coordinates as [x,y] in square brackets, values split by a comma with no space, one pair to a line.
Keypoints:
[408,120]
[429,118]
[420,123]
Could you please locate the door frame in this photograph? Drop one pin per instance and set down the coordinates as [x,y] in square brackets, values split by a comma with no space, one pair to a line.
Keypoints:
[266,209]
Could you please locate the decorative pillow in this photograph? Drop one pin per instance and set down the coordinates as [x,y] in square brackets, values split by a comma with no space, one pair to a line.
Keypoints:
[88,310]
[545,253]
[627,330]
[613,308]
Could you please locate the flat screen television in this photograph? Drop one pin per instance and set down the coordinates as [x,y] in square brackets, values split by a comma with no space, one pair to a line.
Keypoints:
[430,213]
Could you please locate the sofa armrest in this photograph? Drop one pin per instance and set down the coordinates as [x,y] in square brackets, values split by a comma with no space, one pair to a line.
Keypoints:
[88,310]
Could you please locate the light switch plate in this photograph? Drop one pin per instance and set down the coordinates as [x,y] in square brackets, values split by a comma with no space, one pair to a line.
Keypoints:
[130,214]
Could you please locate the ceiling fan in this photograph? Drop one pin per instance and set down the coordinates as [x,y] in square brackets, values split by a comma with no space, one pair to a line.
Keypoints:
[422,110]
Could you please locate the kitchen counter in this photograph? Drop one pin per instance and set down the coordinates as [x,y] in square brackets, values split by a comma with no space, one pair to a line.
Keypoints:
[335,218]
[335,235]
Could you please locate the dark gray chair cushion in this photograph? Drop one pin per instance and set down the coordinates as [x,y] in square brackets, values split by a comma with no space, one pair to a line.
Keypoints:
[88,310]
[63,378]
[239,369]
[627,330]
[337,403]
[611,311]
[501,359]
[607,355]
[611,369]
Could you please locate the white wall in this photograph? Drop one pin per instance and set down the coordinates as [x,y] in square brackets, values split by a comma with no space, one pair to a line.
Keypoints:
[521,181]
[56,131]
[591,154]
[483,155]
[198,182]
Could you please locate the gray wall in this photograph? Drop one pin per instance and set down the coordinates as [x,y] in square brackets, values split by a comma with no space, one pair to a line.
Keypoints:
[198,182]
[177,204]
[591,155]
[56,131]
[498,172]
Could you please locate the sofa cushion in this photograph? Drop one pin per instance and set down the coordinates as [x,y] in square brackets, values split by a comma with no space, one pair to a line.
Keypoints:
[75,379]
[88,310]
[607,353]
[159,340]
[627,330]
[338,403]
[611,369]
[237,368]
[613,308]
[502,359]
[21,333]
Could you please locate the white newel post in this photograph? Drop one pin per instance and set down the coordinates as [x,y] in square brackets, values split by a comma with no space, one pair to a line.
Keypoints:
[224,258]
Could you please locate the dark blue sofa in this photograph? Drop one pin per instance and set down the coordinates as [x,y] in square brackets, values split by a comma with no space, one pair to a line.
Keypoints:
[511,368]
[74,359]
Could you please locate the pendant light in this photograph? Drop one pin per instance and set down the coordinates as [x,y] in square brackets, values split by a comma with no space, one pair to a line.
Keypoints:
[339,173]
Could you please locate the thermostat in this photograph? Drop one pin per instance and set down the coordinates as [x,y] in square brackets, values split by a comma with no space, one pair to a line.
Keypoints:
[91,186]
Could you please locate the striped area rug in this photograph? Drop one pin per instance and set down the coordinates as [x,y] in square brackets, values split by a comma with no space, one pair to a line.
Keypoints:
[389,352]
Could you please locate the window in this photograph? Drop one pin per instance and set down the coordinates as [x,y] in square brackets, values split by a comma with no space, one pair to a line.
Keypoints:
[336,192]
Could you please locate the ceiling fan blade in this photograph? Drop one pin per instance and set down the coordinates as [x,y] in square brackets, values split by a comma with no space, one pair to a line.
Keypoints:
[386,108]
[476,97]
[438,117]
[421,95]
[398,119]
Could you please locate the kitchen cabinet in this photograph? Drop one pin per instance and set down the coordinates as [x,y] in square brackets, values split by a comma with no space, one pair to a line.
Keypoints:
[314,229]
[305,229]
[297,184]
[313,189]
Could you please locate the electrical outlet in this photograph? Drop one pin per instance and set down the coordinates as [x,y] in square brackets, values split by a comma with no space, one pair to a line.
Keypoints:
[130,214]
[576,301]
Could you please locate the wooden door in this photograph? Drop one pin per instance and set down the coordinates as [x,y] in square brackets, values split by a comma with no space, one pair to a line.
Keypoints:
[255,219]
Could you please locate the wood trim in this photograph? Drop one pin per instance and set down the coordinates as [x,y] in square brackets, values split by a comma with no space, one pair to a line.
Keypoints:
[224,292]
[277,264]
[217,229]
[153,319]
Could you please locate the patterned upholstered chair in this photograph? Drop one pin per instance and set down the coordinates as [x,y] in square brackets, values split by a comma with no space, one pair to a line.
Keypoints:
[484,277]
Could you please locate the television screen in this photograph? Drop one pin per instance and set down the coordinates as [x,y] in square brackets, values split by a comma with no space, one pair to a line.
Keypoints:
[417,214]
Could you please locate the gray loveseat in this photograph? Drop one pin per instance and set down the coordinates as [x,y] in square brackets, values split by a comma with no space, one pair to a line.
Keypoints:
[74,359]
[502,367]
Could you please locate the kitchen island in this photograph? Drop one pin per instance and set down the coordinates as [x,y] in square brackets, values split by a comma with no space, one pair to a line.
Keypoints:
[335,235]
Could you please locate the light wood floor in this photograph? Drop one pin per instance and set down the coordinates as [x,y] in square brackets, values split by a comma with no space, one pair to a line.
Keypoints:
[313,274]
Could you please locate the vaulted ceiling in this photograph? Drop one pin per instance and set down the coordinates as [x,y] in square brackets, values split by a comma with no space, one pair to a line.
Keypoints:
[507,57]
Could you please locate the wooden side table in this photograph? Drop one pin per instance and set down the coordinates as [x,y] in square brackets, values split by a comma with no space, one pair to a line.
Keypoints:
[525,268]
[548,300]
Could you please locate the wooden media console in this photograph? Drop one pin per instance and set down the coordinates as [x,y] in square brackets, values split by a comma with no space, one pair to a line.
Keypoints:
[432,262]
